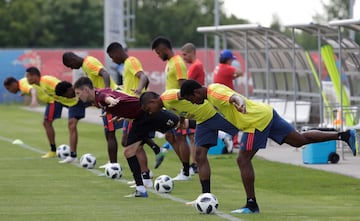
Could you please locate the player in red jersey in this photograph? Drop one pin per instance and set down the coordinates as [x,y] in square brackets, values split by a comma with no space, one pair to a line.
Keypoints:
[122,105]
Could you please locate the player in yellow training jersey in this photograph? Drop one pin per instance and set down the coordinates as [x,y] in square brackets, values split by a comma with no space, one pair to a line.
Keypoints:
[176,73]
[45,87]
[14,86]
[135,82]
[208,123]
[258,121]
[100,78]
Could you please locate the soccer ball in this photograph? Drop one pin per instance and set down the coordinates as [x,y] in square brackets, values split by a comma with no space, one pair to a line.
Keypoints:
[88,161]
[113,170]
[63,151]
[163,184]
[207,203]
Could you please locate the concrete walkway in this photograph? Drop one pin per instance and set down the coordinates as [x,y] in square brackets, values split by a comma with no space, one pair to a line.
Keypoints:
[347,165]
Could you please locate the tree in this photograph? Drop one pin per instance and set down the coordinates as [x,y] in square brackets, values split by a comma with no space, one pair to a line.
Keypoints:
[51,23]
[80,23]
[176,19]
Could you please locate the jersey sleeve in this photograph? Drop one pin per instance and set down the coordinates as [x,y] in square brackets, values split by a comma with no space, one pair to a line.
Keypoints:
[92,66]
[24,86]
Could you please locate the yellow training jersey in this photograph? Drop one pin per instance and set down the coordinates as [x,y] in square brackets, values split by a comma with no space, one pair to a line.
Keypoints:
[92,66]
[24,86]
[175,70]
[186,109]
[132,66]
[46,92]
[258,114]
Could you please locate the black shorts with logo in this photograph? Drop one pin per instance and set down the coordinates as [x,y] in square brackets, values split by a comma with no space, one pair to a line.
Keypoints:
[145,123]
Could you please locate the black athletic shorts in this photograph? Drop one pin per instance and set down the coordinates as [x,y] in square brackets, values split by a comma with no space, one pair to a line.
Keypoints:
[145,123]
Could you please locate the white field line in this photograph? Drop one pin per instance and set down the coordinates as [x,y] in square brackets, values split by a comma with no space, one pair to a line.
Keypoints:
[99,173]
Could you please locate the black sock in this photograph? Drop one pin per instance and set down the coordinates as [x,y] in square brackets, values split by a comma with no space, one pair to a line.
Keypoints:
[251,203]
[135,169]
[73,154]
[205,184]
[53,147]
[153,146]
[344,136]
[145,175]
[186,167]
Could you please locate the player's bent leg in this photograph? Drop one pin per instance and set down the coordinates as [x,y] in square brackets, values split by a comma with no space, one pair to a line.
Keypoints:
[73,138]
[112,146]
[203,168]
[50,133]
[248,179]
[130,155]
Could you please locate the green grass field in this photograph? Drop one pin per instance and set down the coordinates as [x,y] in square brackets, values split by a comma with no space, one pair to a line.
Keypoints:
[36,189]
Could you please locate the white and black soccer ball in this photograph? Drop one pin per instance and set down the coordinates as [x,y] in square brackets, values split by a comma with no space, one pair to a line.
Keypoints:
[63,151]
[207,203]
[163,184]
[88,161]
[113,170]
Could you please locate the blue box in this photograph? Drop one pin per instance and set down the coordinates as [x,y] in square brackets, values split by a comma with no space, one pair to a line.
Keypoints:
[218,149]
[318,153]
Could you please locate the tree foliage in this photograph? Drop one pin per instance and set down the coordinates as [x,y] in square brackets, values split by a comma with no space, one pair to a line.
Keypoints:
[51,23]
[80,23]
[176,19]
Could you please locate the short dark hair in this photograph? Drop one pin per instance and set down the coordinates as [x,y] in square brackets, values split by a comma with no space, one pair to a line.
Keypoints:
[9,80]
[67,57]
[188,87]
[161,40]
[33,71]
[113,46]
[62,87]
[83,81]
[146,96]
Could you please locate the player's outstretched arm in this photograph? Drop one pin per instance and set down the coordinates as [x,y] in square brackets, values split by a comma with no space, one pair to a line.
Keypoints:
[34,101]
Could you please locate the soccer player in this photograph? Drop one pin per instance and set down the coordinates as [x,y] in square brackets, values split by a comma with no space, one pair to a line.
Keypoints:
[195,72]
[14,86]
[45,87]
[176,73]
[224,73]
[258,121]
[134,83]
[124,106]
[100,78]
[208,123]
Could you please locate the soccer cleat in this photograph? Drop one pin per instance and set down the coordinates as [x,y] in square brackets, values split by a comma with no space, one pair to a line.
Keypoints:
[69,159]
[104,165]
[181,177]
[352,142]
[193,169]
[148,183]
[228,144]
[50,154]
[137,194]
[159,159]
[246,210]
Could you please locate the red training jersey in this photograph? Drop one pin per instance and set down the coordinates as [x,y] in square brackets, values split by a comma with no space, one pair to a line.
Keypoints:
[128,106]
[224,74]
[196,72]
